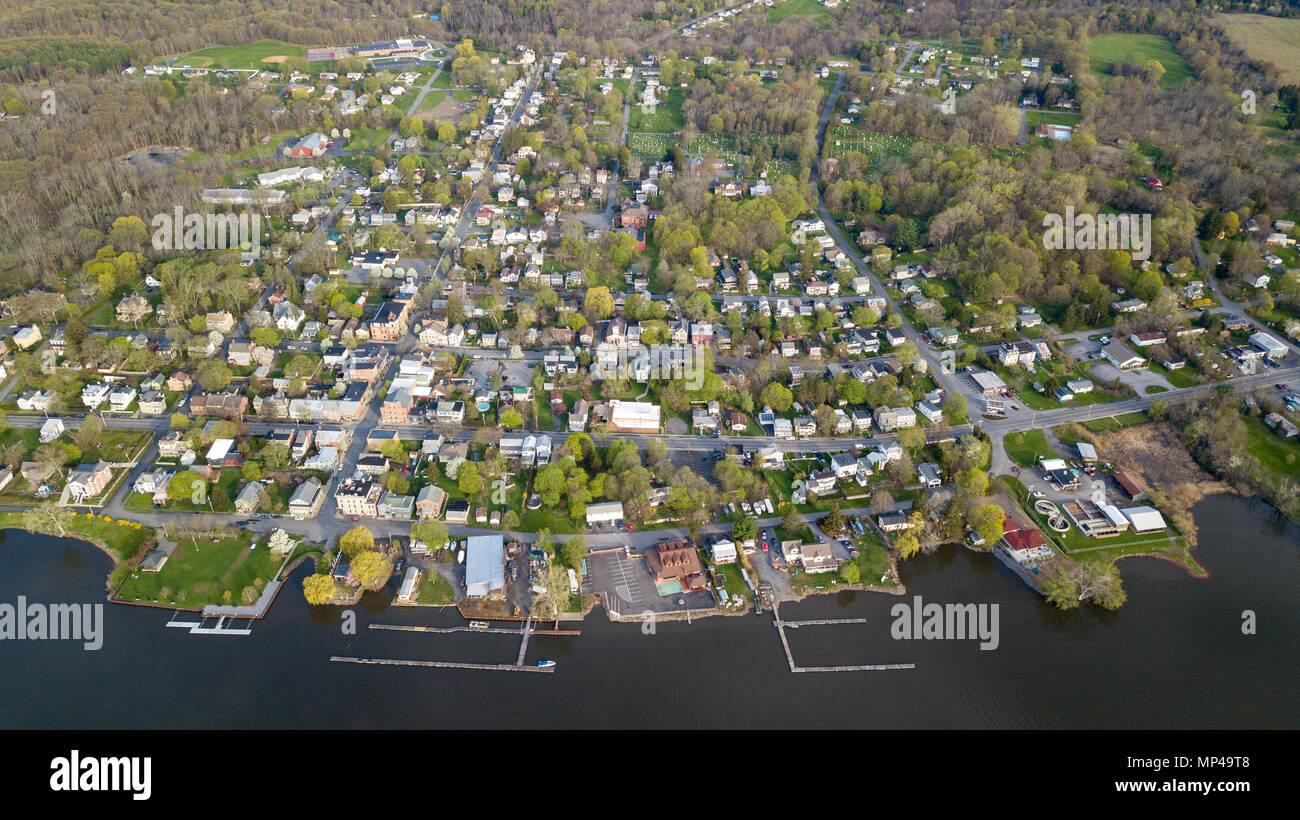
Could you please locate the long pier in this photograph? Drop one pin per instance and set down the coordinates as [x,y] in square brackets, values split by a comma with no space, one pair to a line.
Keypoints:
[789,655]
[447,630]
[489,667]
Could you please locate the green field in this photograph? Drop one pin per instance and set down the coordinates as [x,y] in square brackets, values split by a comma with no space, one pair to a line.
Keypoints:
[798,8]
[1028,447]
[249,55]
[1108,49]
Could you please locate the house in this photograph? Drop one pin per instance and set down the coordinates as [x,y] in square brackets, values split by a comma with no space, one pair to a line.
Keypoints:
[133,308]
[818,558]
[821,482]
[359,497]
[723,551]
[26,337]
[1147,339]
[676,567]
[930,475]
[889,419]
[250,496]
[219,405]
[429,502]
[121,398]
[844,465]
[1281,425]
[395,507]
[37,401]
[153,403]
[1024,546]
[88,480]
[152,482]
[390,321]
[307,499]
[1123,358]
[51,430]
[449,412]
[35,473]
[396,408]
[95,394]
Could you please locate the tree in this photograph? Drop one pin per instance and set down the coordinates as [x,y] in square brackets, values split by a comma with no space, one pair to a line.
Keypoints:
[850,572]
[791,521]
[88,432]
[954,409]
[432,533]
[1067,585]
[356,540]
[510,419]
[371,569]
[972,481]
[745,529]
[393,451]
[881,501]
[598,304]
[470,480]
[777,396]
[48,516]
[911,439]
[180,421]
[907,544]
[319,589]
[213,375]
[986,519]
[251,471]
[834,522]
[573,551]
[187,485]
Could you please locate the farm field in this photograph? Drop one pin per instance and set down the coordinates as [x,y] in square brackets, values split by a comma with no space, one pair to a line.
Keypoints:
[1108,49]
[250,55]
[1273,40]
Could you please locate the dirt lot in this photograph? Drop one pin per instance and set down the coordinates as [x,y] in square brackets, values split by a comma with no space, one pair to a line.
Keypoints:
[1153,453]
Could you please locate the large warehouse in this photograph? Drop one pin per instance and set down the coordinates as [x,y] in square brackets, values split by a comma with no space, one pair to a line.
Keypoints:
[633,417]
[485,565]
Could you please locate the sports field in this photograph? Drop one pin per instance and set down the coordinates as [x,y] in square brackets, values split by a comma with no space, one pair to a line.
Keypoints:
[260,54]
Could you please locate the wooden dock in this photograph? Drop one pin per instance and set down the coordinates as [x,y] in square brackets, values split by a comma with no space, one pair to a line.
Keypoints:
[789,655]
[487,667]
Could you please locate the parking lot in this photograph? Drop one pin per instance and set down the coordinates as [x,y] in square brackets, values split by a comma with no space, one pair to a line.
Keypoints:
[629,588]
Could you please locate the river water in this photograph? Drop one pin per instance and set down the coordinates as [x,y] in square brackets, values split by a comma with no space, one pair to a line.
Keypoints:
[1173,656]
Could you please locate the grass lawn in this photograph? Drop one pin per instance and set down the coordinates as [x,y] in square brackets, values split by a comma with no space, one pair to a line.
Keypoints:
[369,138]
[1108,49]
[205,572]
[1184,376]
[1033,118]
[435,590]
[1028,447]
[1277,455]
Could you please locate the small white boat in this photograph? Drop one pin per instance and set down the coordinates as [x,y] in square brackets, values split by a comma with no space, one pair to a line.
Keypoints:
[478,624]
[545,664]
